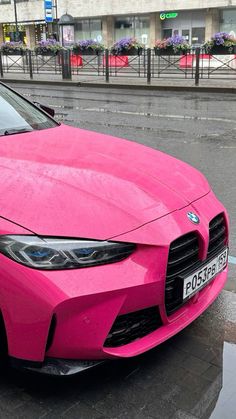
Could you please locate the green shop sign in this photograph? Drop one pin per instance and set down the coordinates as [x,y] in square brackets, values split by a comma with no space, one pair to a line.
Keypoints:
[171,15]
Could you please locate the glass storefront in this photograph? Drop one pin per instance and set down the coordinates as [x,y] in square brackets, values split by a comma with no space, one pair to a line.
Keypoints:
[88,29]
[228,21]
[190,25]
[135,26]
[10,34]
[40,32]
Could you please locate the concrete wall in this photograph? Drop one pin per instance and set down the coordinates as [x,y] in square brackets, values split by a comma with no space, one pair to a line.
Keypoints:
[34,9]
[114,7]
[212,22]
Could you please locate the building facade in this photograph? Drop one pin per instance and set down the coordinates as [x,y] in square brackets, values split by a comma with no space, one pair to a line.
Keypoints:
[110,20]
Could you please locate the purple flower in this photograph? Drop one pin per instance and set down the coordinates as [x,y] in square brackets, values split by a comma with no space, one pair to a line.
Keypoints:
[88,43]
[220,39]
[126,44]
[221,36]
[49,43]
[176,40]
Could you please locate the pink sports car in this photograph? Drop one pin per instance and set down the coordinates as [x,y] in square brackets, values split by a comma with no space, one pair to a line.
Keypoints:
[107,247]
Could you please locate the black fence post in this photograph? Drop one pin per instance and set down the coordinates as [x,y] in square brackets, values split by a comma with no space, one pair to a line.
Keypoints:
[149,58]
[30,64]
[1,66]
[66,64]
[107,65]
[197,69]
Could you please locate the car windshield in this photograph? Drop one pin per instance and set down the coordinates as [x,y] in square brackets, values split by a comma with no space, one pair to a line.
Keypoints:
[17,115]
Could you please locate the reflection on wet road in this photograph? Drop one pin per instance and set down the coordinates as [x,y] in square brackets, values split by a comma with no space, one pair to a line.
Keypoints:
[193,375]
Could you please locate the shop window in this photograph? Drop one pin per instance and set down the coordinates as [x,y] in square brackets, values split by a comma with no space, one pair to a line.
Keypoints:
[228,21]
[167,33]
[124,27]
[198,36]
[88,29]
[10,34]
[186,34]
[135,26]
[40,31]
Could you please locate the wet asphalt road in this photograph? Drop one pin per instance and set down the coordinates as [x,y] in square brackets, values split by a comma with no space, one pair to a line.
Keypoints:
[193,375]
[199,128]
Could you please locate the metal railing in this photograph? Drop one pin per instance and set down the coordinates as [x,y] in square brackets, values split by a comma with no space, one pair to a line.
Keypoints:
[149,65]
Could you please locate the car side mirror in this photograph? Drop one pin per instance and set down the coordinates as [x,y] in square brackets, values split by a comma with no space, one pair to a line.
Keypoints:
[46,109]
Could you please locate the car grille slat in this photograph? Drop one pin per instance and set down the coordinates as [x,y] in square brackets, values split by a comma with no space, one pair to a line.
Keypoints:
[217,234]
[132,326]
[190,249]
[216,222]
[180,266]
[182,257]
[179,245]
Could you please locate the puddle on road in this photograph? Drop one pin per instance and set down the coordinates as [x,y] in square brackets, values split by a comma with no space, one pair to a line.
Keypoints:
[226,403]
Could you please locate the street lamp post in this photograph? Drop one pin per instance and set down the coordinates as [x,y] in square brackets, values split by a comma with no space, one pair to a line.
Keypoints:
[56,15]
[16,22]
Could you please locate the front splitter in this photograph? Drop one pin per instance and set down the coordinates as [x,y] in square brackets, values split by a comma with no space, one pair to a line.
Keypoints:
[54,366]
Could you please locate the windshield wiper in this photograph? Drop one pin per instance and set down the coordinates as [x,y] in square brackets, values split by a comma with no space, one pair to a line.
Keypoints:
[16,131]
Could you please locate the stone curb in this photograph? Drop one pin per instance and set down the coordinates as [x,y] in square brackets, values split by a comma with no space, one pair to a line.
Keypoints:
[148,87]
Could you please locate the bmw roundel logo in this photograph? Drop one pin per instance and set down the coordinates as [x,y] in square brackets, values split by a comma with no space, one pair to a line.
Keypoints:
[193,218]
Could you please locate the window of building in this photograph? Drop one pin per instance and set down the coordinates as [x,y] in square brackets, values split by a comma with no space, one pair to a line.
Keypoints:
[88,29]
[9,32]
[189,24]
[186,34]
[228,21]
[135,26]
[167,33]
[40,30]
[198,36]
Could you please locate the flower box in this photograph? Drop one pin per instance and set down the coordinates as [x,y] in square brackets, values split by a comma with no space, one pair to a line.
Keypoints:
[87,47]
[222,43]
[128,52]
[127,47]
[175,45]
[12,48]
[168,51]
[13,52]
[222,50]
[49,48]
[48,52]
[87,51]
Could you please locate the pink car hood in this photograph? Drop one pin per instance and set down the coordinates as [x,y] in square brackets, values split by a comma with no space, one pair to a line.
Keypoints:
[66,181]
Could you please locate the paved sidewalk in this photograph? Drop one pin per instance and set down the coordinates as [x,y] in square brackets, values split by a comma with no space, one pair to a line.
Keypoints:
[211,85]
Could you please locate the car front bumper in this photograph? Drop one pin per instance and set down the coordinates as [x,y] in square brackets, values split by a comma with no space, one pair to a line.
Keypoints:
[67,315]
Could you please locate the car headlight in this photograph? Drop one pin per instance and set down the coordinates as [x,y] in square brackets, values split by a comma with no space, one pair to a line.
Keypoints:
[56,253]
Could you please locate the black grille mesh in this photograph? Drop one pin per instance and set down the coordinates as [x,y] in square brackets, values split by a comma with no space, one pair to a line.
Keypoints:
[183,260]
[132,326]
[217,234]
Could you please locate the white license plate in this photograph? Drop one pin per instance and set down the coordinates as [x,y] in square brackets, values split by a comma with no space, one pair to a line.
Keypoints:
[196,281]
